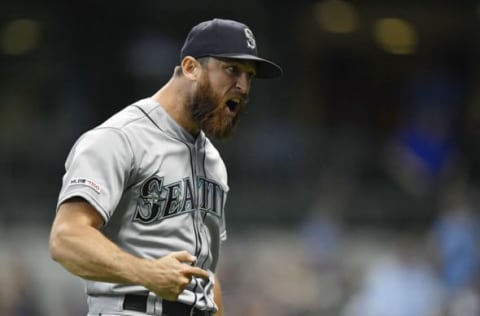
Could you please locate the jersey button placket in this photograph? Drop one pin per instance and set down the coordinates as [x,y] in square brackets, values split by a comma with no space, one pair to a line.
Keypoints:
[197,213]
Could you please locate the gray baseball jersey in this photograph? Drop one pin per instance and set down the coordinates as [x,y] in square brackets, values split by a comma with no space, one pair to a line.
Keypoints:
[158,189]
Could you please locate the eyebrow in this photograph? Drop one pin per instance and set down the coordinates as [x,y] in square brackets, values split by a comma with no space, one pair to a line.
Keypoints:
[249,64]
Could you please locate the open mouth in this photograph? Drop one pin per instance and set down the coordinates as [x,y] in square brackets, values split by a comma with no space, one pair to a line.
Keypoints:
[233,104]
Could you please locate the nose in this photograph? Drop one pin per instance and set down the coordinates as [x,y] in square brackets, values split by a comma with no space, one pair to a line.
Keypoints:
[243,82]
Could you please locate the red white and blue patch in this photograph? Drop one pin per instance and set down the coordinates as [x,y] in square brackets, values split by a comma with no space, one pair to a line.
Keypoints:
[85,182]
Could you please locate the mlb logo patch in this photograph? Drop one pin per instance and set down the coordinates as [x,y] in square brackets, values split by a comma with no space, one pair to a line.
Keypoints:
[85,182]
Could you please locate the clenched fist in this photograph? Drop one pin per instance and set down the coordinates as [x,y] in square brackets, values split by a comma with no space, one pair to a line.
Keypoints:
[168,276]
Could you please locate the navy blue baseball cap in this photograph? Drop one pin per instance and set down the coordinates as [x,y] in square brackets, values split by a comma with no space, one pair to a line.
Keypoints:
[227,39]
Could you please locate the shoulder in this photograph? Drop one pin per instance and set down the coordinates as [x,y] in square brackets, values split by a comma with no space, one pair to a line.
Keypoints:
[132,123]
[125,117]
[103,142]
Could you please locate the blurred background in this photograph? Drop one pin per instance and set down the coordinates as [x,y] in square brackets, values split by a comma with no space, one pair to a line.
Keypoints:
[354,178]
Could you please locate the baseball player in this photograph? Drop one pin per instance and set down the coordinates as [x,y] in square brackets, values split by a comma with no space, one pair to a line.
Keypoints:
[140,214]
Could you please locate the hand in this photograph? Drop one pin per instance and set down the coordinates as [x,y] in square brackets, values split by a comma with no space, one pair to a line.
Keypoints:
[168,276]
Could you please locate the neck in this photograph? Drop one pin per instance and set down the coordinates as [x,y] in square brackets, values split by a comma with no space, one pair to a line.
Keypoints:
[173,98]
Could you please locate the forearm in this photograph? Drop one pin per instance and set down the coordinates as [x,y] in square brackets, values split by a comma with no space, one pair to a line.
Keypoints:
[78,245]
[87,253]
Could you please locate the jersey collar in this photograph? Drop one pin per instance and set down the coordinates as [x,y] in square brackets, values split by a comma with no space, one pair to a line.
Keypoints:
[165,122]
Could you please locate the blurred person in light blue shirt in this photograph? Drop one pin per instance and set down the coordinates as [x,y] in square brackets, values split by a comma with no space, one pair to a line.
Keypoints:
[401,282]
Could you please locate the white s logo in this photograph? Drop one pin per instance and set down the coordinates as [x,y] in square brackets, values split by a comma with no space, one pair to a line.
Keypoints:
[250,38]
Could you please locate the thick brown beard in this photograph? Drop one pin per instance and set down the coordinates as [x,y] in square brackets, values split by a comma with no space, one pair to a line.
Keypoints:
[208,113]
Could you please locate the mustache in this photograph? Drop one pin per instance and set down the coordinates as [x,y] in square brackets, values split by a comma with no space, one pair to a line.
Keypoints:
[243,97]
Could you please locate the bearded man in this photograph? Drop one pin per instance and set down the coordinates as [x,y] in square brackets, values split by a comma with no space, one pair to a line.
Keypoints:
[141,212]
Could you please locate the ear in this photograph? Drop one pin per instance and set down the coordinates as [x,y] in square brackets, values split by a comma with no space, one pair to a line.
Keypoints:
[191,68]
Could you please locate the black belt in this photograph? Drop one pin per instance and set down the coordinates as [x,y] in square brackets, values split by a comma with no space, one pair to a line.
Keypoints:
[138,302]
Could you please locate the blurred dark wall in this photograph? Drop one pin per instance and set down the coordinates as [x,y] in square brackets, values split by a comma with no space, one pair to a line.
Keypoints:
[386,133]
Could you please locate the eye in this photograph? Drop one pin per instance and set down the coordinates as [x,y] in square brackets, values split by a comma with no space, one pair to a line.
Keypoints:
[232,69]
[238,70]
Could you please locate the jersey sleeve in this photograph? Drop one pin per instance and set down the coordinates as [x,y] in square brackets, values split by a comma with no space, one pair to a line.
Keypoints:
[97,170]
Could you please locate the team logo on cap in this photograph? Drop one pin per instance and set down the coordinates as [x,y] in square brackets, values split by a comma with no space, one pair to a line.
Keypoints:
[250,38]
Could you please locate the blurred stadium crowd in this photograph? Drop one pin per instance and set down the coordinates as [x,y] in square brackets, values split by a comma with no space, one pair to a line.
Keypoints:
[354,178]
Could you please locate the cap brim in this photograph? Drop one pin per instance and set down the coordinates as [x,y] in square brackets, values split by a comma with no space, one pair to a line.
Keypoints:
[265,68]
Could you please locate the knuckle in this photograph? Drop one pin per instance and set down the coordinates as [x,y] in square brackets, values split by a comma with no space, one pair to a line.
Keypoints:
[177,293]
[184,282]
